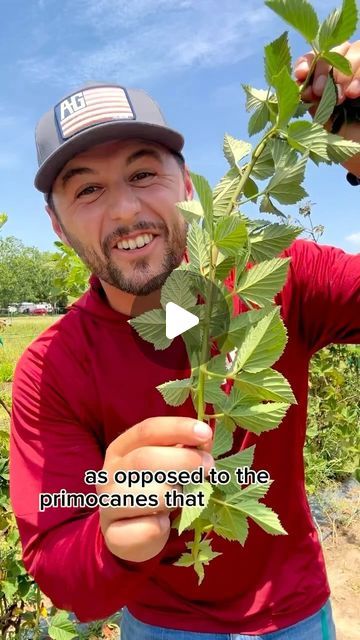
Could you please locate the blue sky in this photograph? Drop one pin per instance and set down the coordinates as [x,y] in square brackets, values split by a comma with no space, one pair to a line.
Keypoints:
[191,55]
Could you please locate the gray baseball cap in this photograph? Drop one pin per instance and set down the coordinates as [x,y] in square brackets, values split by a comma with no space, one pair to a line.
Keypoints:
[94,114]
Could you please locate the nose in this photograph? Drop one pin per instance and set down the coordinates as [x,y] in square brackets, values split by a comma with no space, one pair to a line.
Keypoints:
[124,204]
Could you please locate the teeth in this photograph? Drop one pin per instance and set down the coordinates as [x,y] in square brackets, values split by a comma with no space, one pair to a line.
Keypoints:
[134,243]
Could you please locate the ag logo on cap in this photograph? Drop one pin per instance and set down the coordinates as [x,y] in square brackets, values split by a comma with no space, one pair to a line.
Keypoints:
[92,106]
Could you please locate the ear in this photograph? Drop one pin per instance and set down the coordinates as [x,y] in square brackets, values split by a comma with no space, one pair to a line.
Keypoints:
[189,189]
[56,226]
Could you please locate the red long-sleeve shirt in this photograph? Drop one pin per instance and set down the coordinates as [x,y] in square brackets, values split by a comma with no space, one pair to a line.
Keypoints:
[86,379]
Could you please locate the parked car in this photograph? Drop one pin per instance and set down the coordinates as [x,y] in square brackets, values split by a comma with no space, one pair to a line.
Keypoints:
[25,307]
[38,310]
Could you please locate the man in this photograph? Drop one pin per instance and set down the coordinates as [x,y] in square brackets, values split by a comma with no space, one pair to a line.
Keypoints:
[85,393]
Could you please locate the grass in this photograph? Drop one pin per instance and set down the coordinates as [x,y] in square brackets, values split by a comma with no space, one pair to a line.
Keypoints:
[16,336]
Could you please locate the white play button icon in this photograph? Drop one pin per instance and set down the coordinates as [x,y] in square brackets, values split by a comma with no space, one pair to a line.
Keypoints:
[178,320]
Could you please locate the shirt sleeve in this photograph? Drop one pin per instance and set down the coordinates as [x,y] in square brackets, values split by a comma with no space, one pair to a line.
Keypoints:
[63,548]
[321,298]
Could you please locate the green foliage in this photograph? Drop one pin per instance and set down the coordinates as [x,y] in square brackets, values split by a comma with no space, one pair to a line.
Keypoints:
[69,274]
[332,448]
[221,239]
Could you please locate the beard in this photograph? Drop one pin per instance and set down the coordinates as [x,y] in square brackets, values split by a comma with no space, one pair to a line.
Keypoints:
[143,280]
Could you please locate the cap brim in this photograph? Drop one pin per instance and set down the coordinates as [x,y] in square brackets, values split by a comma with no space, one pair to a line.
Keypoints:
[115,130]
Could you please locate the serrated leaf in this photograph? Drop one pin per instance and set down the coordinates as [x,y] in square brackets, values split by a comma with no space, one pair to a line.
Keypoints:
[277,55]
[262,345]
[230,235]
[288,95]
[243,458]
[251,189]
[327,103]
[309,137]
[271,240]
[189,514]
[262,282]
[238,327]
[299,13]
[266,206]
[255,98]
[191,210]
[223,439]
[255,490]
[235,150]
[338,61]
[213,394]
[259,119]
[265,385]
[224,266]
[340,150]
[228,521]
[180,286]
[204,192]
[198,243]
[285,185]
[151,326]
[225,191]
[258,418]
[217,365]
[264,165]
[263,516]
[339,26]
[175,392]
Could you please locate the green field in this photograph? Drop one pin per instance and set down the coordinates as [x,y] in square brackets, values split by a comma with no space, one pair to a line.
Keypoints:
[16,336]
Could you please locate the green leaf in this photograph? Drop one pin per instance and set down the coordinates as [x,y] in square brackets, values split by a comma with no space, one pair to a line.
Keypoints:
[230,235]
[228,520]
[258,120]
[255,98]
[277,55]
[265,385]
[299,13]
[197,556]
[224,265]
[339,62]
[189,514]
[175,392]
[288,95]
[285,185]
[213,394]
[263,516]
[251,189]
[309,137]
[340,150]
[264,165]
[204,192]
[223,438]
[180,286]
[198,242]
[9,588]
[61,627]
[266,206]
[191,210]
[151,326]
[235,150]
[243,458]
[224,191]
[339,26]
[258,418]
[262,345]
[238,328]
[327,103]
[262,282]
[255,490]
[271,240]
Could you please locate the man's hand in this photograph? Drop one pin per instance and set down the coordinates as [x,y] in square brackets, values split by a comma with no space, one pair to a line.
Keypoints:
[167,443]
[348,87]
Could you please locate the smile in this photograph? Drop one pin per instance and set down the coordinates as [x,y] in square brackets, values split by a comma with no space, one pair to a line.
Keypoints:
[137,244]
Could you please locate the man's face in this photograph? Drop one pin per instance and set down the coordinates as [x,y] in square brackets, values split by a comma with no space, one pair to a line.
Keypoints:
[123,191]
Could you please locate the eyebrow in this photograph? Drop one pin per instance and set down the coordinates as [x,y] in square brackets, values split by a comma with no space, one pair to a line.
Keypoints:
[132,158]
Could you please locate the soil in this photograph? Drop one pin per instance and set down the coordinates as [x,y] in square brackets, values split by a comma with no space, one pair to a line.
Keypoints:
[342,556]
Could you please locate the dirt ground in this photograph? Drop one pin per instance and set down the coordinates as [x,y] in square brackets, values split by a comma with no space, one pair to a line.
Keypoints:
[342,555]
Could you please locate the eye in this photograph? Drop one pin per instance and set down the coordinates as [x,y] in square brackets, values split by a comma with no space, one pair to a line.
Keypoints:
[142,175]
[88,191]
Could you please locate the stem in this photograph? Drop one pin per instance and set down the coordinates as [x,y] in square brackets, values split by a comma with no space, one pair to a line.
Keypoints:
[208,416]
[311,71]
[257,195]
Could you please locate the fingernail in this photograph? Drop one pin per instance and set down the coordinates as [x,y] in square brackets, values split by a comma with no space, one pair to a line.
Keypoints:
[354,88]
[319,85]
[202,430]
[208,461]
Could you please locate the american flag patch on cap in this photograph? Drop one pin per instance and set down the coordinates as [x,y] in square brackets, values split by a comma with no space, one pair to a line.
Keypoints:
[92,106]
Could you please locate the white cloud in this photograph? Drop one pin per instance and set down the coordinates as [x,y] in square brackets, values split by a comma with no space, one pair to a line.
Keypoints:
[133,42]
[354,238]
